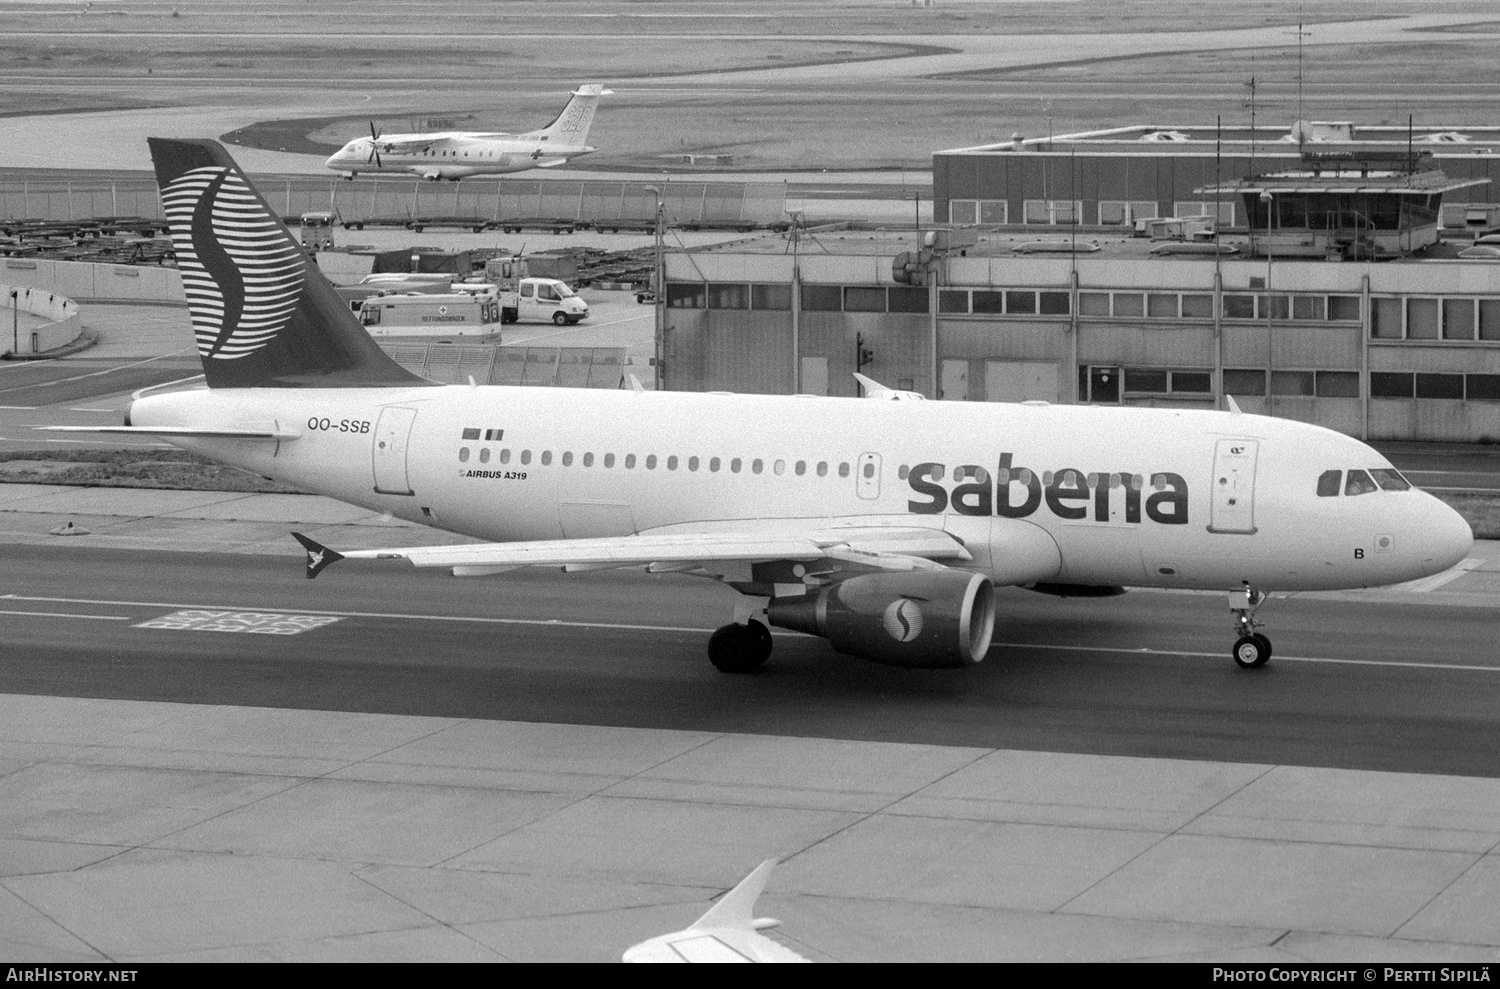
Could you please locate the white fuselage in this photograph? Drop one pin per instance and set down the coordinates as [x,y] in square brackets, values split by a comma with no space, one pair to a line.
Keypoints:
[453,154]
[1145,497]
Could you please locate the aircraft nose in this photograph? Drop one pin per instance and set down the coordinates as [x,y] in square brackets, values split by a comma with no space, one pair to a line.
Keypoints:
[1445,536]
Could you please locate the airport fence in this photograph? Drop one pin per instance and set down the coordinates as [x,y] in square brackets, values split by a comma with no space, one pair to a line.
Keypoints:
[387,200]
[496,364]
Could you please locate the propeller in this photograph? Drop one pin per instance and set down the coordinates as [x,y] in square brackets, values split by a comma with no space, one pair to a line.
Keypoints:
[374,147]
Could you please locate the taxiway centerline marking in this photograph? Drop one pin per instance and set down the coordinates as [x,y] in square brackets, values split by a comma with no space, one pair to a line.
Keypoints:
[558,623]
[479,619]
[1407,664]
[60,614]
[1427,584]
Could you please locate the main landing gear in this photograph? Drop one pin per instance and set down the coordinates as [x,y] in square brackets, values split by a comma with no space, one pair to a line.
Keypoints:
[1251,648]
[737,648]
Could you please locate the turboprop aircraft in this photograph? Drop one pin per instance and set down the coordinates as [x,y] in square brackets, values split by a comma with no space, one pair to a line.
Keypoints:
[458,154]
[881,524]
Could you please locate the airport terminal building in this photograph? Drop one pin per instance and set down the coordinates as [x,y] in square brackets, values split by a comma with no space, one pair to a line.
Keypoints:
[1335,296]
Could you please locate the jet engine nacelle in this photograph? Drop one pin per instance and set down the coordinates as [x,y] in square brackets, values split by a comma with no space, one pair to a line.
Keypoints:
[924,619]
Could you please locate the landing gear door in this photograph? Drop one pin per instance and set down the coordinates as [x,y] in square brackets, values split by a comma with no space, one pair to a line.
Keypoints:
[1233,509]
[388,451]
[867,476]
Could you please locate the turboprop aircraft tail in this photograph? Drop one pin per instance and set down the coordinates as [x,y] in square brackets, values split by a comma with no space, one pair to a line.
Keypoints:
[263,314]
[570,130]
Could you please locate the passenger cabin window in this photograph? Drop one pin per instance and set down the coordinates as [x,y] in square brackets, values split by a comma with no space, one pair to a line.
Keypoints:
[1390,480]
[1359,483]
[1328,483]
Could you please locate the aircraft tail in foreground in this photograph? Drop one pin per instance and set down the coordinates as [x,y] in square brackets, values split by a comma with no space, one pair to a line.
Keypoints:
[728,932]
[263,314]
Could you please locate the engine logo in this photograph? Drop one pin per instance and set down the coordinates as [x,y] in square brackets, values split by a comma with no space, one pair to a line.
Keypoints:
[903,619]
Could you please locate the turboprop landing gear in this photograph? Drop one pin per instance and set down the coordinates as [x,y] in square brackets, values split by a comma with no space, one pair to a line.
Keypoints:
[1251,648]
[737,648]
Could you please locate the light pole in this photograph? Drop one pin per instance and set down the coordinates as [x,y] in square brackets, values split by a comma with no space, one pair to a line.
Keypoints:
[796,217]
[1266,201]
[15,321]
[659,288]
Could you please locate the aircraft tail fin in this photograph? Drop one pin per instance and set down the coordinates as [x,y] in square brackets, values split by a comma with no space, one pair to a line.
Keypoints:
[263,314]
[570,129]
[737,907]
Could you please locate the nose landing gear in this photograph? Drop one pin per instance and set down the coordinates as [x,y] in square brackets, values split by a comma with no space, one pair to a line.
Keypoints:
[1251,648]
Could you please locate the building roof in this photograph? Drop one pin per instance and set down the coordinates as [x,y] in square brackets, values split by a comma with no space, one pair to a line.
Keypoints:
[1152,140]
[1344,181]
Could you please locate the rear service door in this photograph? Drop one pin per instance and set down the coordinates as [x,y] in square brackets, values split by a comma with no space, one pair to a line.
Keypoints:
[392,432]
[1234,487]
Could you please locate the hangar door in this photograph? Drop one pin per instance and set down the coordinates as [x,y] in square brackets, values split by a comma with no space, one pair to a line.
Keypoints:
[1020,381]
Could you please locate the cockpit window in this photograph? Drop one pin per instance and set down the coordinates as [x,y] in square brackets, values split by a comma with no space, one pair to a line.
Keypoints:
[1328,483]
[1359,483]
[1390,480]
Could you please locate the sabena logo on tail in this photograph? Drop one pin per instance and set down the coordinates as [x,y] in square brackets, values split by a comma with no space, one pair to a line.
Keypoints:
[263,315]
[241,271]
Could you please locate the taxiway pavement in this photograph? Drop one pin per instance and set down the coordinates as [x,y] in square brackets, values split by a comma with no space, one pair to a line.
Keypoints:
[545,768]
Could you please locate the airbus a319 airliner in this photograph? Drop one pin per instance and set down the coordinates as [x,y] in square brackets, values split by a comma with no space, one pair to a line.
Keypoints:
[882,524]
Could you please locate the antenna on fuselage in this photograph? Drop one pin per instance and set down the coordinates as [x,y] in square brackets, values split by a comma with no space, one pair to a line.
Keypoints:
[1234,407]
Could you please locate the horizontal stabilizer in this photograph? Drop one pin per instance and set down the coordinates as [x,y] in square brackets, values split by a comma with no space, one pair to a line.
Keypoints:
[318,556]
[205,432]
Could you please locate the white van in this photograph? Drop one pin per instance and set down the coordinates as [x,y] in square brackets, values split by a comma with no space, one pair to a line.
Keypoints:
[542,299]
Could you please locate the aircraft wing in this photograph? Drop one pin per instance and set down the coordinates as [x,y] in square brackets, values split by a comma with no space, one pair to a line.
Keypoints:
[875,547]
[728,932]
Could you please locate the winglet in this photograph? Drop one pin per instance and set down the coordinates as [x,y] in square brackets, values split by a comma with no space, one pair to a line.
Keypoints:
[874,389]
[318,555]
[737,908]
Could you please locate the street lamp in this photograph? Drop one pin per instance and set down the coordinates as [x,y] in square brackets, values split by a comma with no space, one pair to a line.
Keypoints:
[15,321]
[660,290]
[798,219]
[1265,199]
